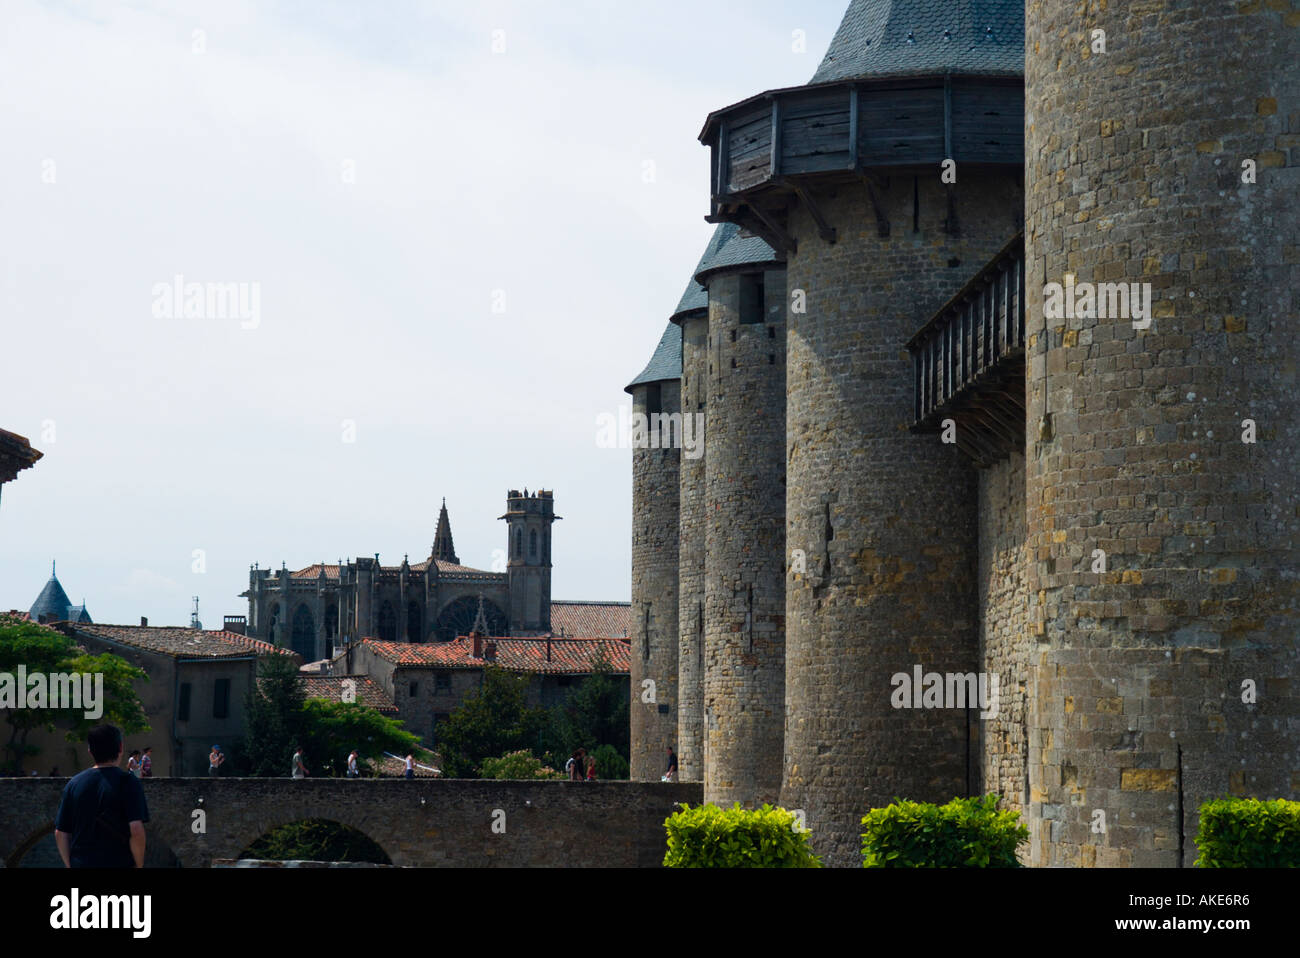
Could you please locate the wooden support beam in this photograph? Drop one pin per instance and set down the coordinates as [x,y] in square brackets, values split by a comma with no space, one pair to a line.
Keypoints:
[882,218]
[775,234]
[824,228]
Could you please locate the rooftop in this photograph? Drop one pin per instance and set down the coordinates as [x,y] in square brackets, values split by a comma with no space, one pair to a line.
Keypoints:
[567,656]
[729,247]
[181,643]
[368,692]
[666,362]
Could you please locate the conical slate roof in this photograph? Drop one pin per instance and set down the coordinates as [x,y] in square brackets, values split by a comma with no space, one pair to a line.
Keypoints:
[695,297]
[54,602]
[881,38]
[666,363]
[442,545]
[729,248]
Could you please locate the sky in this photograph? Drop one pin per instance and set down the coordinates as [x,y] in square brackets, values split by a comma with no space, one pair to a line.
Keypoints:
[455,232]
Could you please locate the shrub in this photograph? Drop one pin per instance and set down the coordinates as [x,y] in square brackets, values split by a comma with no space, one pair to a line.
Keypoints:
[965,833]
[1249,833]
[709,837]
[609,764]
[517,765]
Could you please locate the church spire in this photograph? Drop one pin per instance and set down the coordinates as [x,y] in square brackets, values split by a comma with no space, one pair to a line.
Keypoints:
[442,545]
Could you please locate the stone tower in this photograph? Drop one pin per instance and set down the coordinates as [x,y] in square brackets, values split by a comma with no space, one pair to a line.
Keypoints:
[528,520]
[847,177]
[744,521]
[655,530]
[1164,539]
[692,317]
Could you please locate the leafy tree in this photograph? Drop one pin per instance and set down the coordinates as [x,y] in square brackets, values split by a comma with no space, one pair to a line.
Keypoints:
[609,764]
[41,649]
[490,722]
[595,714]
[330,730]
[273,719]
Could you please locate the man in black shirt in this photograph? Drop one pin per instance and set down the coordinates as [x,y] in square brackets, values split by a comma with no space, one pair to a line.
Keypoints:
[101,816]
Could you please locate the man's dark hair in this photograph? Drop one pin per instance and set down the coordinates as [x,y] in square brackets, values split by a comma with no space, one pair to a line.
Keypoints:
[105,742]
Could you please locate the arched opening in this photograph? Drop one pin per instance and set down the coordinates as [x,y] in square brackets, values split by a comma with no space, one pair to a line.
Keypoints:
[38,850]
[303,640]
[414,622]
[387,622]
[457,618]
[316,840]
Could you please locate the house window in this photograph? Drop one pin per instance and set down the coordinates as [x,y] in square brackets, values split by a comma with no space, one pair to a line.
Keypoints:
[753,309]
[414,688]
[442,681]
[183,707]
[221,699]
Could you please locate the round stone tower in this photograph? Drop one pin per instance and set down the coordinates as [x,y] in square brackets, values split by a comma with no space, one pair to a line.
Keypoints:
[655,527]
[886,183]
[692,317]
[744,522]
[1163,151]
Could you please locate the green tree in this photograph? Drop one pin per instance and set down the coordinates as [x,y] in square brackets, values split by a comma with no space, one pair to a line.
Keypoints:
[41,649]
[330,730]
[490,722]
[273,719]
[520,765]
[595,714]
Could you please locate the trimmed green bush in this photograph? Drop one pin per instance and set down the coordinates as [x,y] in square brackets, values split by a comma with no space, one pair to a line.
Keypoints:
[709,837]
[965,833]
[1249,833]
[521,764]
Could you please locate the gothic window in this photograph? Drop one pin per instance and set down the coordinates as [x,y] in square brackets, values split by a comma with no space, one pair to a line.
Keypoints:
[303,640]
[458,618]
[414,622]
[519,543]
[387,622]
[331,621]
[532,543]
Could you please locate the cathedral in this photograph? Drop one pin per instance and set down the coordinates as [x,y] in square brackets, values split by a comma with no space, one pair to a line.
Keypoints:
[322,608]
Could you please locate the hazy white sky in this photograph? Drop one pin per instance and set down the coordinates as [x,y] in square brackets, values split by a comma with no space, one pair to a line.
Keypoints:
[381,178]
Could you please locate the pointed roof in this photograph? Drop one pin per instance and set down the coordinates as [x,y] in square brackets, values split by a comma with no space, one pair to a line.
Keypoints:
[666,362]
[883,38]
[54,602]
[442,545]
[730,247]
[695,297]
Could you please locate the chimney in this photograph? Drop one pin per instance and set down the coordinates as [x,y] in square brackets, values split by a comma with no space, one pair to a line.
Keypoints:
[478,644]
[143,622]
[490,651]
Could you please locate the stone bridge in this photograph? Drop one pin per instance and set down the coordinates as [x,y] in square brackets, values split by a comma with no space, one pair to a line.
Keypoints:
[447,823]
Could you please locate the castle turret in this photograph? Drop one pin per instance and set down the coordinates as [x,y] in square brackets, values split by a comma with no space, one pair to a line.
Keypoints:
[529,519]
[655,488]
[692,317]
[884,183]
[744,521]
[1162,480]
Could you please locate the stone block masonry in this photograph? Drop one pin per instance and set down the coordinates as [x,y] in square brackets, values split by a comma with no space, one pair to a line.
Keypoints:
[426,823]
[690,610]
[1135,171]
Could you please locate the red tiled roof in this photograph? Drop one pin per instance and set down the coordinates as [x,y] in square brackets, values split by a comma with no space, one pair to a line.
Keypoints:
[591,619]
[369,692]
[568,656]
[15,614]
[180,642]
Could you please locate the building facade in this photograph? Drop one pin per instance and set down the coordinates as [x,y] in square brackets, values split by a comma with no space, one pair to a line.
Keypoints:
[1079,518]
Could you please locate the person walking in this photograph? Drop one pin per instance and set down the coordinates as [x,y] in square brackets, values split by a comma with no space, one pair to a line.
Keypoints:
[146,762]
[591,768]
[299,767]
[410,765]
[216,758]
[352,764]
[133,763]
[102,811]
[671,774]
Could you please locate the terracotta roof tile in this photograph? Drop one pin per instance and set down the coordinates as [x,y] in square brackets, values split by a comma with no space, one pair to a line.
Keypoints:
[369,692]
[612,620]
[568,656]
[180,642]
[444,568]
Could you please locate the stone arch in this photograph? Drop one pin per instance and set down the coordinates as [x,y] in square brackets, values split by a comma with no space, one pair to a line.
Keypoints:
[457,618]
[303,635]
[39,844]
[30,841]
[387,622]
[323,818]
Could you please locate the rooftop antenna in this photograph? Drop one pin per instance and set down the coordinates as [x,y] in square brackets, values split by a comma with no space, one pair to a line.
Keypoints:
[194,616]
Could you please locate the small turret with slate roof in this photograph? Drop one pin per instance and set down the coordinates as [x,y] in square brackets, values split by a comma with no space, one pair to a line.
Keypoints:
[53,604]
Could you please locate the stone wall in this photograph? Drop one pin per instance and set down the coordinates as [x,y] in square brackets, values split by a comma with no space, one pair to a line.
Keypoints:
[885,517]
[1134,173]
[424,823]
[744,529]
[656,486]
[1005,643]
[690,596]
